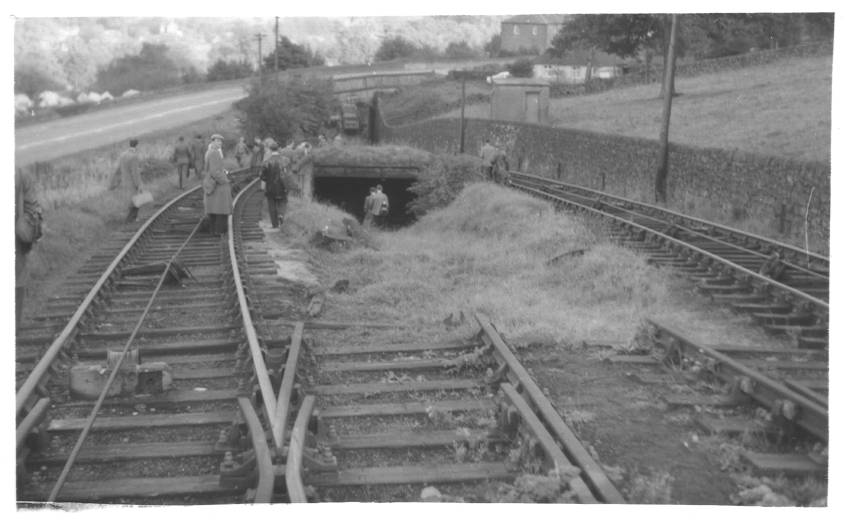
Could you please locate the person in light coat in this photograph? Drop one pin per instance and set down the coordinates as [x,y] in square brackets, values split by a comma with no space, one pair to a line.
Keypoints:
[218,200]
[128,179]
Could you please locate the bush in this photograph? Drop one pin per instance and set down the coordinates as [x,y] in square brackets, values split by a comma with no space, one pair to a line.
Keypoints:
[522,68]
[151,69]
[286,110]
[223,70]
[442,180]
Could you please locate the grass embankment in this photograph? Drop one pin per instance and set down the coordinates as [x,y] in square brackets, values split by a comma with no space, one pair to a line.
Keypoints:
[429,99]
[80,211]
[781,109]
[487,252]
[385,155]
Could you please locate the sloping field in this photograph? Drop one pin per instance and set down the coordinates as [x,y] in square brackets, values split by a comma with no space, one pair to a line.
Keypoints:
[782,109]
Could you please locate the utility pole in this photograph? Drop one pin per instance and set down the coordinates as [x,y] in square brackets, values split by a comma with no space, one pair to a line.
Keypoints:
[276,38]
[663,154]
[462,113]
[259,37]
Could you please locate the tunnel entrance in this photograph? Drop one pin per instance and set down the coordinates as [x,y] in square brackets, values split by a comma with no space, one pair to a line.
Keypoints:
[349,193]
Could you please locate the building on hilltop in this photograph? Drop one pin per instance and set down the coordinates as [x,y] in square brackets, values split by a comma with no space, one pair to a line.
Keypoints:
[530,32]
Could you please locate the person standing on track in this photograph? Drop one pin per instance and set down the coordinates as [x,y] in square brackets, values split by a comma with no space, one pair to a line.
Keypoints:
[382,205]
[218,199]
[128,177]
[256,155]
[275,174]
[181,158]
[199,150]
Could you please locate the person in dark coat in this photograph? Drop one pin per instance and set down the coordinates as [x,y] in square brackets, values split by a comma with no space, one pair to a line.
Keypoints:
[27,232]
[181,158]
[199,150]
[218,200]
[128,179]
[274,173]
[241,153]
[256,155]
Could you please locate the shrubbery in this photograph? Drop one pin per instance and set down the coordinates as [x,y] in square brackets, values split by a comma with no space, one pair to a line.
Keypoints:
[298,108]
[442,180]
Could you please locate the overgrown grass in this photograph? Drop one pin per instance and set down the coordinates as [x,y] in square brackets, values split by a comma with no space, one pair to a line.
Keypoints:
[487,252]
[429,99]
[781,109]
[80,211]
[384,155]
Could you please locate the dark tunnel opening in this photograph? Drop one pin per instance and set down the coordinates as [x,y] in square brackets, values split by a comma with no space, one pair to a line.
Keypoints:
[349,194]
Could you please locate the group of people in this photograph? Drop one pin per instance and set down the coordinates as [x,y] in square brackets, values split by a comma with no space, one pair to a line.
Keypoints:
[376,207]
[495,166]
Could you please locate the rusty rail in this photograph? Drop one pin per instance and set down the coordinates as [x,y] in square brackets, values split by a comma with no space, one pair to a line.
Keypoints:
[294,459]
[793,405]
[573,448]
[265,469]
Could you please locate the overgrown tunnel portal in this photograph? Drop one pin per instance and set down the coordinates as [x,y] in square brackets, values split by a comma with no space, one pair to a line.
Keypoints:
[349,192]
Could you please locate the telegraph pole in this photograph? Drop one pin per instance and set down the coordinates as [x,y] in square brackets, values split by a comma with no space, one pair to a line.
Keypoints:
[663,154]
[259,37]
[276,38]
[462,113]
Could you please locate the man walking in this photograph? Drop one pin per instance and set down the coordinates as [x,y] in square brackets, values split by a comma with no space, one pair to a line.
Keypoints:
[181,158]
[129,179]
[379,207]
[241,151]
[274,173]
[199,150]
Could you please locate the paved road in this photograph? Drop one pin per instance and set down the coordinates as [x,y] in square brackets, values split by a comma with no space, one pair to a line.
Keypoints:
[45,141]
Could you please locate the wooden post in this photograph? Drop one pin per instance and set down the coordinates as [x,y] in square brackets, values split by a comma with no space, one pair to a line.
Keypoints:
[276,38]
[259,37]
[663,154]
[462,113]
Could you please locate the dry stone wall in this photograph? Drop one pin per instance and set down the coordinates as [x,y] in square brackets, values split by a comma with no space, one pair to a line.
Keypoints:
[776,197]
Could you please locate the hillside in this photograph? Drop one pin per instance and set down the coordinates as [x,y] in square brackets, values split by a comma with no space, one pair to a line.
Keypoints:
[782,109]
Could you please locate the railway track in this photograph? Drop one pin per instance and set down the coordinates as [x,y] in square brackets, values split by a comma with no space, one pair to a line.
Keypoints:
[389,420]
[168,429]
[784,289]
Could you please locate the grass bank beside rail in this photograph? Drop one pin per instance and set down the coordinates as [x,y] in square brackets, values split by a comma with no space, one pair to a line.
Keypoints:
[80,211]
[781,109]
[487,251]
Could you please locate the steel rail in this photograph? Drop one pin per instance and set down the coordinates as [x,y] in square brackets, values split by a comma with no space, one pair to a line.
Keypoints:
[40,370]
[29,422]
[260,368]
[265,469]
[115,369]
[287,383]
[560,463]
[575,451]
[794,406]
[726,229]
[818,303]
[295,456]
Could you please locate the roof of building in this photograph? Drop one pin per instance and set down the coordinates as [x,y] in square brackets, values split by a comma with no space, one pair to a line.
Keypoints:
[536,19]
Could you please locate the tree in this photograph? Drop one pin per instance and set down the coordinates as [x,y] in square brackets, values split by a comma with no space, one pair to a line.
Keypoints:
[284,110]
[292,56]
[460,50]
[224,70]
[395,48]
[32,81]
[522,68]
[151,69]
[494,46]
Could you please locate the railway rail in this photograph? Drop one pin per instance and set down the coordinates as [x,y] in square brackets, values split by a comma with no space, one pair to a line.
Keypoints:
[160,329]
[785,289]
[382,421]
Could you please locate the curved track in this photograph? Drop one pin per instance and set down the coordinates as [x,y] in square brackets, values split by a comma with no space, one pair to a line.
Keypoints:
[784,288]
[170,430]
